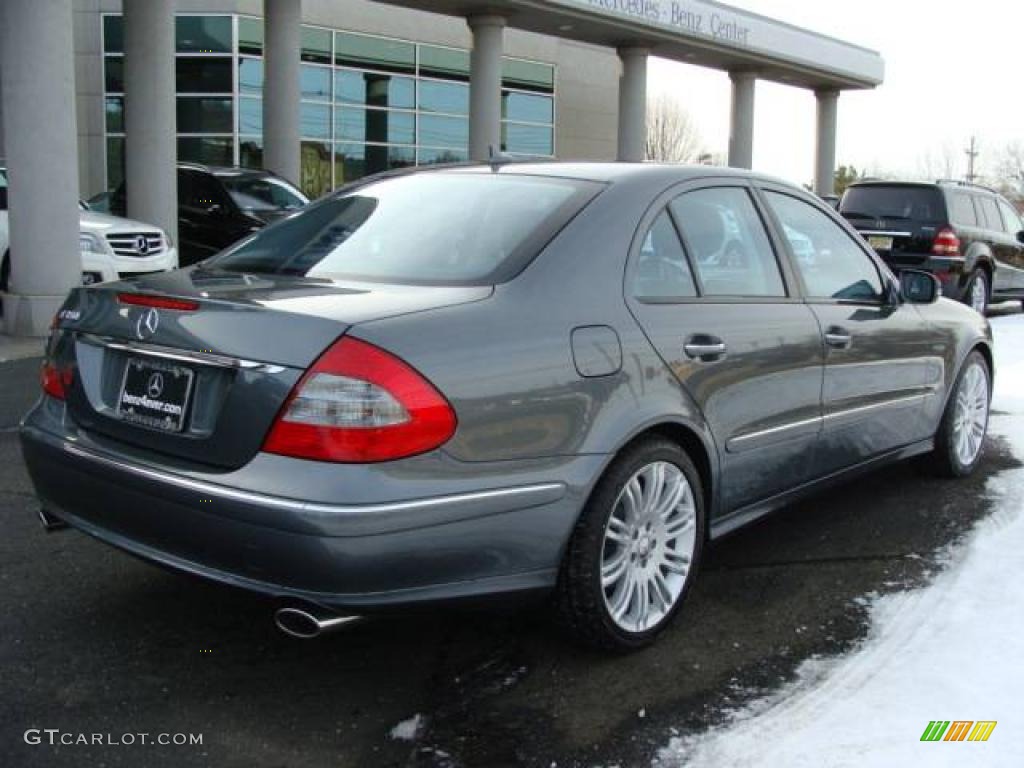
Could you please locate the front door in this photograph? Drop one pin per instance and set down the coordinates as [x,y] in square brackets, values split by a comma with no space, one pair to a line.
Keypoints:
[708,290]
[877,377]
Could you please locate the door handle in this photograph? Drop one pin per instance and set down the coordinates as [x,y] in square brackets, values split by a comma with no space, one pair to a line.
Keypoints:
[704,348]
[838,338]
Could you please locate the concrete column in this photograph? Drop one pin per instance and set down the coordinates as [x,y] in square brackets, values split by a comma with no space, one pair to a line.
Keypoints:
[741,127]
[41,145]
[282,93]
[825,144]
[485,85]
[633,105]
[150,117]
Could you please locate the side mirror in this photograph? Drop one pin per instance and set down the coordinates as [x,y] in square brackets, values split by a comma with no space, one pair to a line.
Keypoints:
[1020,236]
[919,287]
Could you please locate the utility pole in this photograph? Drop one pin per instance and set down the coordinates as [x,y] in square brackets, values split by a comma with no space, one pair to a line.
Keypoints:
[972,154]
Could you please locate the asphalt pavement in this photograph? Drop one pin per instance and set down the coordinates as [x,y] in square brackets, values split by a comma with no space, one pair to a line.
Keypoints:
[93,641]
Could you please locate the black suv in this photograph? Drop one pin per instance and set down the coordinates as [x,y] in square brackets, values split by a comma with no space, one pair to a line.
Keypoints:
[217,206]
[968,236]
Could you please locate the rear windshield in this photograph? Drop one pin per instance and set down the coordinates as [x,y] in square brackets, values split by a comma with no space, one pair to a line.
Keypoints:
[429,228]
[262,193]
[895,203]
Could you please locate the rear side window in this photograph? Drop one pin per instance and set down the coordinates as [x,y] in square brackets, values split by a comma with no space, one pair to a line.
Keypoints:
[439,228]
[831,264]
[894,202]
[662,272]
[961,209]
[724,234]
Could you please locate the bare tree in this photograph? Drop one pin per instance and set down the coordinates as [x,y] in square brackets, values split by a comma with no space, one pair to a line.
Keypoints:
[672,134]
[938,163]
[1009,165]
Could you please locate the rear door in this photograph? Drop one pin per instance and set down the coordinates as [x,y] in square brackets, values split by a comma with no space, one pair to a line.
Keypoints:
[708,289]
[877,372]
[1013,227]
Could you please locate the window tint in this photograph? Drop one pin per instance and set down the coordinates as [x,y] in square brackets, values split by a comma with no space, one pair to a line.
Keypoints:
[661,270]
[1011,219]
[895,202]
[433,228]
[990,213]
[730,249]
[961,209]
[830,262]
[200,191]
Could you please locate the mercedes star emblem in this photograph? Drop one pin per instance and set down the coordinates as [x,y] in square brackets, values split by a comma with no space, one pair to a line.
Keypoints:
[155,386]
[142,245]
[146,325]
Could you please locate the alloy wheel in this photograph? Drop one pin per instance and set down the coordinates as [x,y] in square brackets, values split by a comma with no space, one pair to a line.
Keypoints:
[970,419]
[649,545]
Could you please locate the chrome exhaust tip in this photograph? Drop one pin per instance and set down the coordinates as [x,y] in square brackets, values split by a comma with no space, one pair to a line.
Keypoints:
[307,623]
[50,522]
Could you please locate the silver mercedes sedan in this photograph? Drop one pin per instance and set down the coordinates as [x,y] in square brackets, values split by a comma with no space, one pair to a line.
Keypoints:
[498,380]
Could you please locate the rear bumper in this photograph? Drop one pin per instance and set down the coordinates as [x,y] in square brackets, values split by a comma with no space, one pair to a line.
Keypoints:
[951,271]
[345,556]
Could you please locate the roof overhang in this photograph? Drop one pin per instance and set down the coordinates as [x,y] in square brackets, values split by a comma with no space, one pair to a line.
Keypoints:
[697,32]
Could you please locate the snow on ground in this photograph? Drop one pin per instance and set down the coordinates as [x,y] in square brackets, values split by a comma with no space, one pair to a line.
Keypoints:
[407,730]
[953,650]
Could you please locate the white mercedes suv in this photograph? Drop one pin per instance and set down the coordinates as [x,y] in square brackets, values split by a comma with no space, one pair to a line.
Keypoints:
[112,248]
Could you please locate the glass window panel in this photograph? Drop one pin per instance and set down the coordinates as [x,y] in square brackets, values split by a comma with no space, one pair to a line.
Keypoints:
[204,115]
[203,74]
[527,139]
[209,150]
[250,152]
[250,76]
[315,170]
[662,271]
[374,125]
[1011,219]
[437,131]
[115,161]
[113,77]
[451,98]
[374,52]
[114,108]
[831,264]
[528,74]
[527,107]
[444,62]
[349,163]
[315,83]
[203,34]
[316,45]
[962,209]
[374,89]
[250,35]
[113,34]
[725,237]
[250,115]
[433,156]
[315,121]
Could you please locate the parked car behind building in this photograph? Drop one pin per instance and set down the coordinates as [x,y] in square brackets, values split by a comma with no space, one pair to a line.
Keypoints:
[970,237]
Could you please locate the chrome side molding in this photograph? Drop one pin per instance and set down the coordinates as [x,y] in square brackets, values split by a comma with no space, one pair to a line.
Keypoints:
[179,355]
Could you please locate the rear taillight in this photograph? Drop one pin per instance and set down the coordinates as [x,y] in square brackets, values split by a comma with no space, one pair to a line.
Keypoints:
[360,404]
[158,302]
[55,380]
[946,243]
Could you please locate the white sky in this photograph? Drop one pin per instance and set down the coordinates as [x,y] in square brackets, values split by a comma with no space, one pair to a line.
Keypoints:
[952,70]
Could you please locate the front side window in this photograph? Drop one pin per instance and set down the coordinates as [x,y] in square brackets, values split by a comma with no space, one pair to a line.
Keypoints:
[661,271]
[731,252]
[430,228]
[262,193]
[1011,219]
[829,261]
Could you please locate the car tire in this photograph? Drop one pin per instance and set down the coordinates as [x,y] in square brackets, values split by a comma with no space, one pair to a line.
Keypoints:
[978,292]
[655,549]
[958,452]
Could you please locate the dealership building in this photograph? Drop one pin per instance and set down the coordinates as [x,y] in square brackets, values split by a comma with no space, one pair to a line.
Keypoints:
[94,93]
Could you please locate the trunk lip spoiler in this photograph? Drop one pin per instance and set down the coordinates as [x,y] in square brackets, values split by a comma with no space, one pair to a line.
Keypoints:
[178,354]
